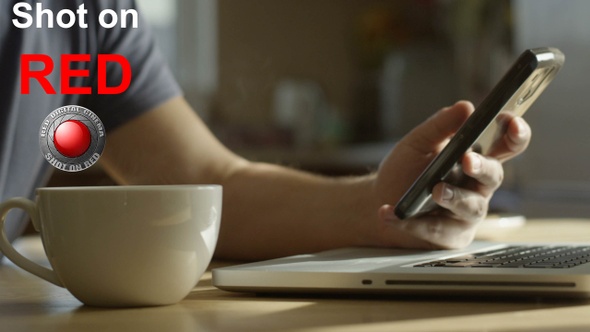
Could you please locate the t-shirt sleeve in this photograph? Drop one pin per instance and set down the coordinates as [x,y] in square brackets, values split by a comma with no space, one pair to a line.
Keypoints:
[152,82]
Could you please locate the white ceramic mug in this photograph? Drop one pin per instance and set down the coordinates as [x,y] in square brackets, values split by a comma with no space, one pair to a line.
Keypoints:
[122,245]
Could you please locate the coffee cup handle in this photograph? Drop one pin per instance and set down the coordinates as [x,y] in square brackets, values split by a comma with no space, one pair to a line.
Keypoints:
[8,249]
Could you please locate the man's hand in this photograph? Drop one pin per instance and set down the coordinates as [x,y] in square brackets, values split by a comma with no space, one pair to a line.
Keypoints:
[464,206]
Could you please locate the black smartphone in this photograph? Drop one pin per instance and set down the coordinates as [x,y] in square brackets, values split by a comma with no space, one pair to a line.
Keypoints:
[517,90]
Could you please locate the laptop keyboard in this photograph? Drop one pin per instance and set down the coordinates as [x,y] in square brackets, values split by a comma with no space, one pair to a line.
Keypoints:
[539,257]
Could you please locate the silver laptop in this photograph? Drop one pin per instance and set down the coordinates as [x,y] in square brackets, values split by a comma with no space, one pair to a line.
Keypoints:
[482,269]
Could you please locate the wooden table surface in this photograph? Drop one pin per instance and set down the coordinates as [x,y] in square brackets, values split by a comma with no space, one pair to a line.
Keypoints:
[31,304]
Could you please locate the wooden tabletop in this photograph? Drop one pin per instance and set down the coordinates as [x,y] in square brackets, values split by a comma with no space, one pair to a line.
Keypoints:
[30,304]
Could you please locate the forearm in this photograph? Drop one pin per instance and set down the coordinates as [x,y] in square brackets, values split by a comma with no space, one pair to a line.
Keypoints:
[267,210]
[273,211]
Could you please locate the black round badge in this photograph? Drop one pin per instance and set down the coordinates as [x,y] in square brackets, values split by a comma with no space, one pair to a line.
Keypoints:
[72,138]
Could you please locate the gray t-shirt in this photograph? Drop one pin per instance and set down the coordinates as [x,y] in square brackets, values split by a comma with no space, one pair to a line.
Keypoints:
[22,166]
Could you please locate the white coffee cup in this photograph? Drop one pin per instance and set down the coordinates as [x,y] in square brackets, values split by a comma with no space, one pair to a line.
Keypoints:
[122,245]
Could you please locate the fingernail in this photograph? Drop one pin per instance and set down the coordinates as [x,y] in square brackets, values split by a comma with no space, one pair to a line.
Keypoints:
[475,163]
[447,193]
[521,129]
[390,214]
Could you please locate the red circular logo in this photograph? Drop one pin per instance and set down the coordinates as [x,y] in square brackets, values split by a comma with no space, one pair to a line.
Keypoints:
[72,138]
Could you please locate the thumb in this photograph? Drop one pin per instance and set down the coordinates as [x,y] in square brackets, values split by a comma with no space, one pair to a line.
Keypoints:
[440,126]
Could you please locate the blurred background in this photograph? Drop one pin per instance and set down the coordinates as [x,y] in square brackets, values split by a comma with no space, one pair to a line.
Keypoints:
[330,85]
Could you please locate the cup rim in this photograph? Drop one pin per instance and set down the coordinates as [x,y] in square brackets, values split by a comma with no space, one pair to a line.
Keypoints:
[151,187]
